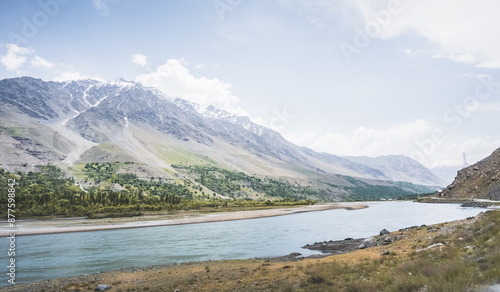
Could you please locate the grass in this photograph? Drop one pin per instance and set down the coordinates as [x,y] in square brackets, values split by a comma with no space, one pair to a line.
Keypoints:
[15,131]
[178,155]
[469,258]
[110,147]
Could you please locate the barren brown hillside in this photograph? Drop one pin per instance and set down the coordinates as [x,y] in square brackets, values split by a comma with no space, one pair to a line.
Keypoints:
[481,180]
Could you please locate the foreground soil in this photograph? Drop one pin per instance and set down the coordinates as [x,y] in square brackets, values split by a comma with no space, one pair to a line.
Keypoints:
[455,256]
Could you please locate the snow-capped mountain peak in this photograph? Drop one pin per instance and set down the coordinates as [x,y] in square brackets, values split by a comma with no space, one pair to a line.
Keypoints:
[211,112]
[122,83]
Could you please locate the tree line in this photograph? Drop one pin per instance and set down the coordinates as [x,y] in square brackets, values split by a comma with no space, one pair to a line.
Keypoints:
[49,192]
[232,183]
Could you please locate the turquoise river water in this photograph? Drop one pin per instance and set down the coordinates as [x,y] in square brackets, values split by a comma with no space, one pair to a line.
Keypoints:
[41,257]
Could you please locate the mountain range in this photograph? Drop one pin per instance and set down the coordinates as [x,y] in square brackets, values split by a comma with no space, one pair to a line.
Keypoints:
[76,122]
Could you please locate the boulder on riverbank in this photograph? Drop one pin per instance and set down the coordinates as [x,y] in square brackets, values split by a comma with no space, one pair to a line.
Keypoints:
[384,232]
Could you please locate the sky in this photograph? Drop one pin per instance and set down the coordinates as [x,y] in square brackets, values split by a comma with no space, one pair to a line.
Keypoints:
[359,77]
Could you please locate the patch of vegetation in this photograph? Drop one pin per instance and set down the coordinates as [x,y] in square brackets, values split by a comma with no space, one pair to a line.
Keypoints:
[99,172]
[362,191]
[433,198]
[14,131]
[48,192]
[178,155]
[232,183]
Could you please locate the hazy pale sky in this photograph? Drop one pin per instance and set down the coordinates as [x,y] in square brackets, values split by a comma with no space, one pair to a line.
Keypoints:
[362,77]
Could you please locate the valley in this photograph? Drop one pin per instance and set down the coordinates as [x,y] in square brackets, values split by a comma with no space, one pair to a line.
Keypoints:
[229,145]
[125,159]
[157,138]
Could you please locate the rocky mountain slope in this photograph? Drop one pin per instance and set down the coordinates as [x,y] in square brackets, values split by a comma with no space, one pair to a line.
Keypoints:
[70,123]
[480,181]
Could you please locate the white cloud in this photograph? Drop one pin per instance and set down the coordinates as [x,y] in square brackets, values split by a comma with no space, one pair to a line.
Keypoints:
[461,58]
[493,107]
[476,149]
[463,31]
[367,141]
[102,6]
[68,76]
[477,76]
[174,79]
[409,52]
[494,64]
[140,60]
[200,66]
[15,57]
[38,61]
[413,139]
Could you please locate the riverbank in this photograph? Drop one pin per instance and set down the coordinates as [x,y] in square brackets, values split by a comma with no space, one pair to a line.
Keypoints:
[468,202]
[66,225]
[454,256]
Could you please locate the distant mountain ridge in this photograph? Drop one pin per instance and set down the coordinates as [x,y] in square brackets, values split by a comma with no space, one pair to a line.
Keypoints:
[399,168]
[89,120]
[393,167]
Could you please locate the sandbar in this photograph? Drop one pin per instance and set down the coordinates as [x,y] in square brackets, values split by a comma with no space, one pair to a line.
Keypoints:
[67,225]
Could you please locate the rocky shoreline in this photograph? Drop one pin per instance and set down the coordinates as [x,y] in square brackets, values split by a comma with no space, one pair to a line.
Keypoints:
[347,245]
[333,247]
[476,204]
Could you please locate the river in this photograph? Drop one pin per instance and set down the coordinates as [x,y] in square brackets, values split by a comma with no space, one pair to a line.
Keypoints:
[41,257]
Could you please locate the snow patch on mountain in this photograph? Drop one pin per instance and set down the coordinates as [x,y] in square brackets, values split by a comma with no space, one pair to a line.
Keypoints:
[211,112]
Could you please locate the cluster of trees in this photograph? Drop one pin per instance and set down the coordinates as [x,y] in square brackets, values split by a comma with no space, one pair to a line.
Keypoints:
[361,191]
[99,172]
[231,183]
[48,192]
